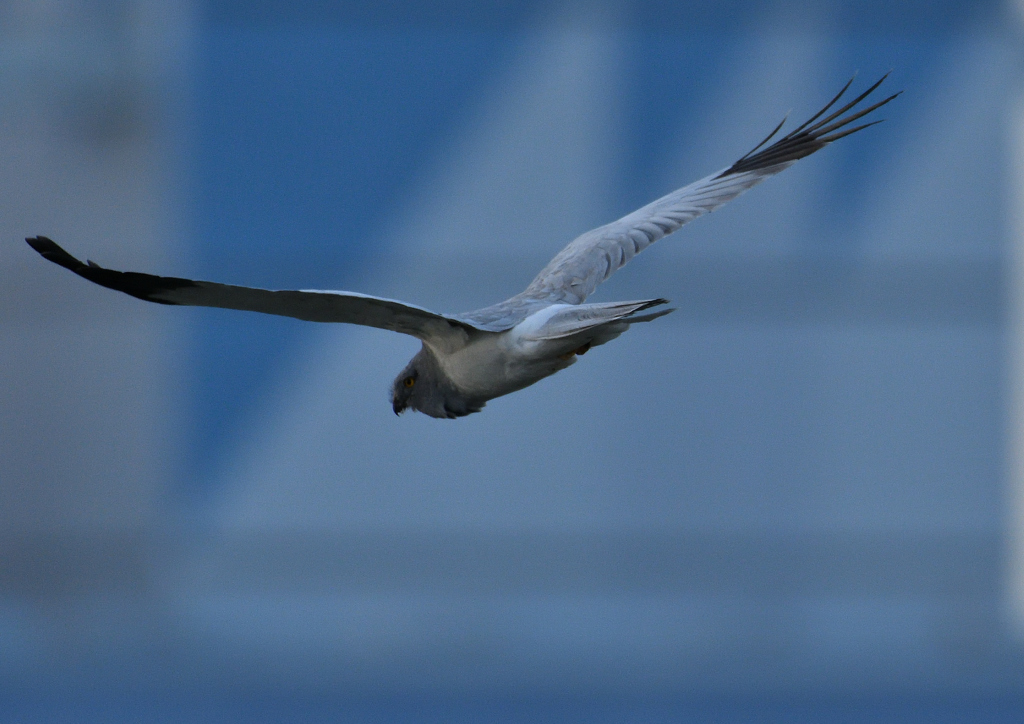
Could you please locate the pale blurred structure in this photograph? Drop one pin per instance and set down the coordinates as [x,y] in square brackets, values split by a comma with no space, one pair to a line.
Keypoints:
[86,112]
[798,495]
[1015,362]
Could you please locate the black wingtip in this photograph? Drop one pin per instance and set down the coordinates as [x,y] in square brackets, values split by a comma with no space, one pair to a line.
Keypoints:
[813,134]
[767,138]
[141,286]
[51,251]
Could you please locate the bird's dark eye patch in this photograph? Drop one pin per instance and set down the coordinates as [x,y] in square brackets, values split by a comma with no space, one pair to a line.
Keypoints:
[409,381]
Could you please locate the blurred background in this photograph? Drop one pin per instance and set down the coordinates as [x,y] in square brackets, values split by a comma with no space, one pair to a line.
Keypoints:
[798,498]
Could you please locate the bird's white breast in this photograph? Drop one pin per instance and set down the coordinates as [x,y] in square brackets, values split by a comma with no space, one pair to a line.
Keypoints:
[495,364]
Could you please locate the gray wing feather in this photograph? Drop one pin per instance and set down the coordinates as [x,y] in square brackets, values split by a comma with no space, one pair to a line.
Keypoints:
[594,256]
[313,306]
[591,258]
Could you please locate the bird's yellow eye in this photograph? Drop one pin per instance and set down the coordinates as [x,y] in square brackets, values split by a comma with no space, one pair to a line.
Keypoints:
[409,381]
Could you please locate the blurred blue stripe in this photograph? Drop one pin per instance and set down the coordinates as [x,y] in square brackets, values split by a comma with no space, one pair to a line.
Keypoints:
[308,139]
[914,17]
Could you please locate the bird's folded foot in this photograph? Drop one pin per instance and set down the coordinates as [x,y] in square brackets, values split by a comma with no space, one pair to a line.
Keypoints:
[578,351]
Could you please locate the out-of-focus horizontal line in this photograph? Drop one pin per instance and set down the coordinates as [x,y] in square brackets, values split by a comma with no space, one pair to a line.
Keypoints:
[794,290]
[42,565]
[755,565]
[743,564]
[944,15]
[803,290]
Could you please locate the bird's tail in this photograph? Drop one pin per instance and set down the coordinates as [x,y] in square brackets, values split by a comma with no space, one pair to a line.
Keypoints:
[575,319]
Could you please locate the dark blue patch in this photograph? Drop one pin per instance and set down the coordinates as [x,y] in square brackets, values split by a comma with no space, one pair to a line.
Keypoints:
[672,78]
[857,162]
[306,139]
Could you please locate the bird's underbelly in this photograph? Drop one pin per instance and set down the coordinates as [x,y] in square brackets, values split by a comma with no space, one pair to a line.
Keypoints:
[496,365]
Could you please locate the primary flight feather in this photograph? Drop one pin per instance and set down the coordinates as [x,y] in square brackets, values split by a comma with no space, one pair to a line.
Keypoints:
[468,359]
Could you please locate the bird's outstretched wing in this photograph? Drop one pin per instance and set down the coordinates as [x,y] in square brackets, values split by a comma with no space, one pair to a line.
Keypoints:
[313,306]
[594,256]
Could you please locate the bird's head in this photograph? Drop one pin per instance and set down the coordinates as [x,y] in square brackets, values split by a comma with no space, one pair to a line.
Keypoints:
[424,386]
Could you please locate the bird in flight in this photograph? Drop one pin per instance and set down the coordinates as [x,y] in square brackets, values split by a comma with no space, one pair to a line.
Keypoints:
[468,359]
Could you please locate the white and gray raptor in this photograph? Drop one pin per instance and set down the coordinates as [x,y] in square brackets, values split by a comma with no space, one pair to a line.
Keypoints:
[468,359]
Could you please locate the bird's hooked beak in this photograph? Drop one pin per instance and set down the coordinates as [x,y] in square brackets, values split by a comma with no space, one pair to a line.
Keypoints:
[399,400]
